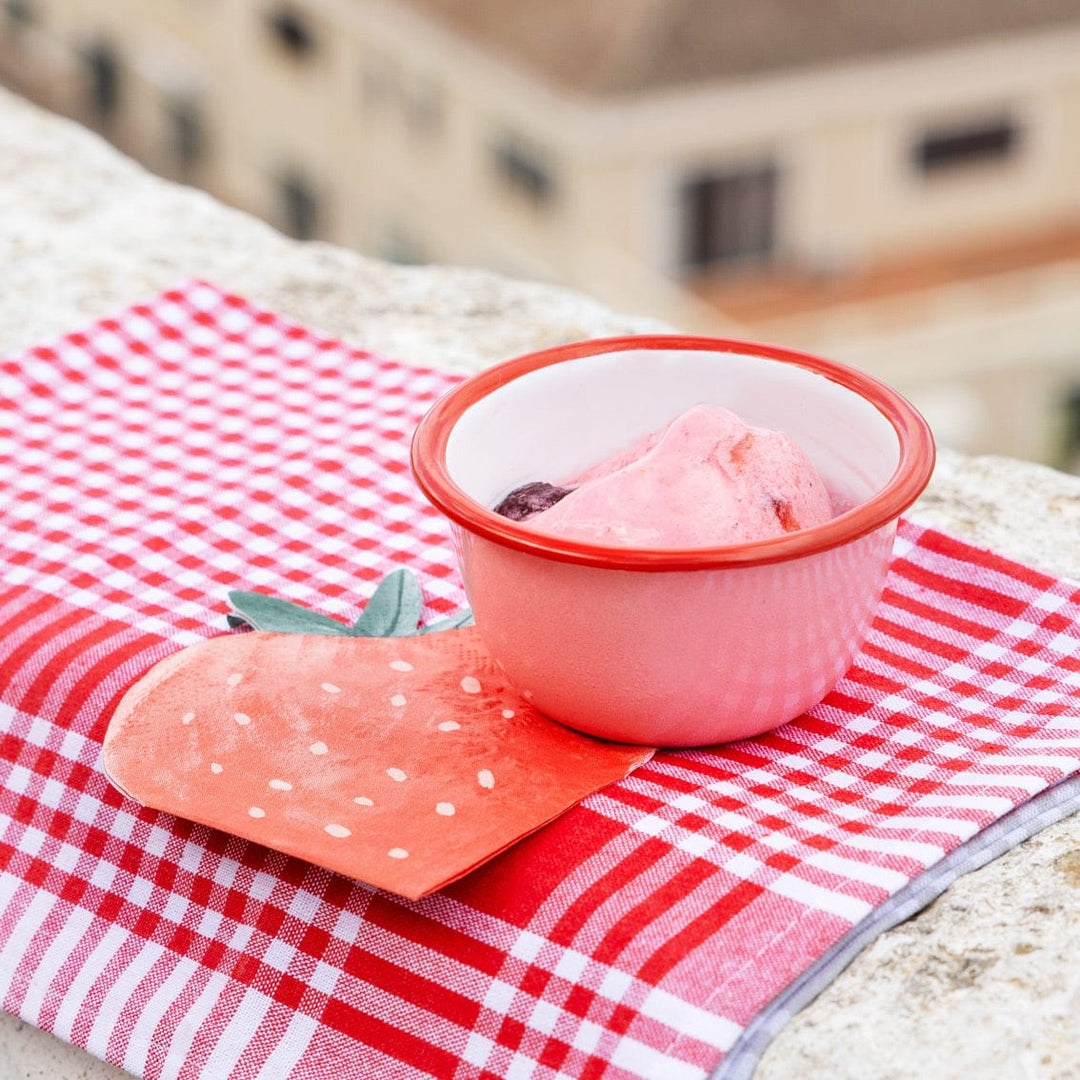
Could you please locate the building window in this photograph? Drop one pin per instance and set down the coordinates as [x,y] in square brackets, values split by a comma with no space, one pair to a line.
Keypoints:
[187,140]
[946,149]
[103,80]
[19,15]
[397,245]
[299,207]
[728,217]
[378,83]
[424,109]
[292,31]
[523,171]
[1070,456]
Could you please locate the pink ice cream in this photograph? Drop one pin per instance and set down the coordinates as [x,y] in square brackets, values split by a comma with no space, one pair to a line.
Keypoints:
[707,479]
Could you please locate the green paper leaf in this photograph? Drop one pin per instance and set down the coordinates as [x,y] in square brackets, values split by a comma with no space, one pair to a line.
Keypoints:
[451,622]
[262,612]
[393,611]
[394,608]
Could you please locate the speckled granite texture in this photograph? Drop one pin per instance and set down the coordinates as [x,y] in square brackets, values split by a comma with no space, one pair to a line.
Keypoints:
[984,983]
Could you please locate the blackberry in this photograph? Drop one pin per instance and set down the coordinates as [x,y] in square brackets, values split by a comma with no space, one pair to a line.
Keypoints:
[530,499]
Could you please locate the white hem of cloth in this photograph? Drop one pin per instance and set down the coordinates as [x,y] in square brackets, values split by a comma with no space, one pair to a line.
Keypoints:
[1051,805]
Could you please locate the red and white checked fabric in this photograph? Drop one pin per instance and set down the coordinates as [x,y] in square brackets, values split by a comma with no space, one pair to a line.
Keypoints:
[195,444]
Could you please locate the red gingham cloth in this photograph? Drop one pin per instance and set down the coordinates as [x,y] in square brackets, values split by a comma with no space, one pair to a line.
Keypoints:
[196,444]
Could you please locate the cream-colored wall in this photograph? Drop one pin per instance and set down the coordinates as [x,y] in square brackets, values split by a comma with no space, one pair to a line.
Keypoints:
[841,137]
[297,117]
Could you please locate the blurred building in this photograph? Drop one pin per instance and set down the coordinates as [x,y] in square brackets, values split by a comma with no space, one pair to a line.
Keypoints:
[897,186]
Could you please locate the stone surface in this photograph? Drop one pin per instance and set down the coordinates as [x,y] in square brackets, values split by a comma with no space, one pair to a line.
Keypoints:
[983,983]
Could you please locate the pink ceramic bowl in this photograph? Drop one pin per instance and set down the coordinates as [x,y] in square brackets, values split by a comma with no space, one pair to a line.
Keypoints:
[676,647]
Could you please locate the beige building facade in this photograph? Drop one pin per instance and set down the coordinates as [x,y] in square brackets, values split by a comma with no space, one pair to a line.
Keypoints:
[911,209]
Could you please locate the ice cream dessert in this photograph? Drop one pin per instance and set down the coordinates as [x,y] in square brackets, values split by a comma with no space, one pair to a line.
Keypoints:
[705,480]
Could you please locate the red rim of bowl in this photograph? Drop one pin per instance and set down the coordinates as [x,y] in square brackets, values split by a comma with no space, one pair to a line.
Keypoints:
[912,473]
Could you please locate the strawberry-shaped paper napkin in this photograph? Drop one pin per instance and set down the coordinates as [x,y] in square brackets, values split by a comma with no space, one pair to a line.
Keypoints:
[398,756]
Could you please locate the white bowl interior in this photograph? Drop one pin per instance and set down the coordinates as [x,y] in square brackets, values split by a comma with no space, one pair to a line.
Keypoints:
[557,420]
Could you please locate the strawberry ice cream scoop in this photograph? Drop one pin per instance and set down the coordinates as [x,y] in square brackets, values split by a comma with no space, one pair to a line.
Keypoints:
[707,479]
